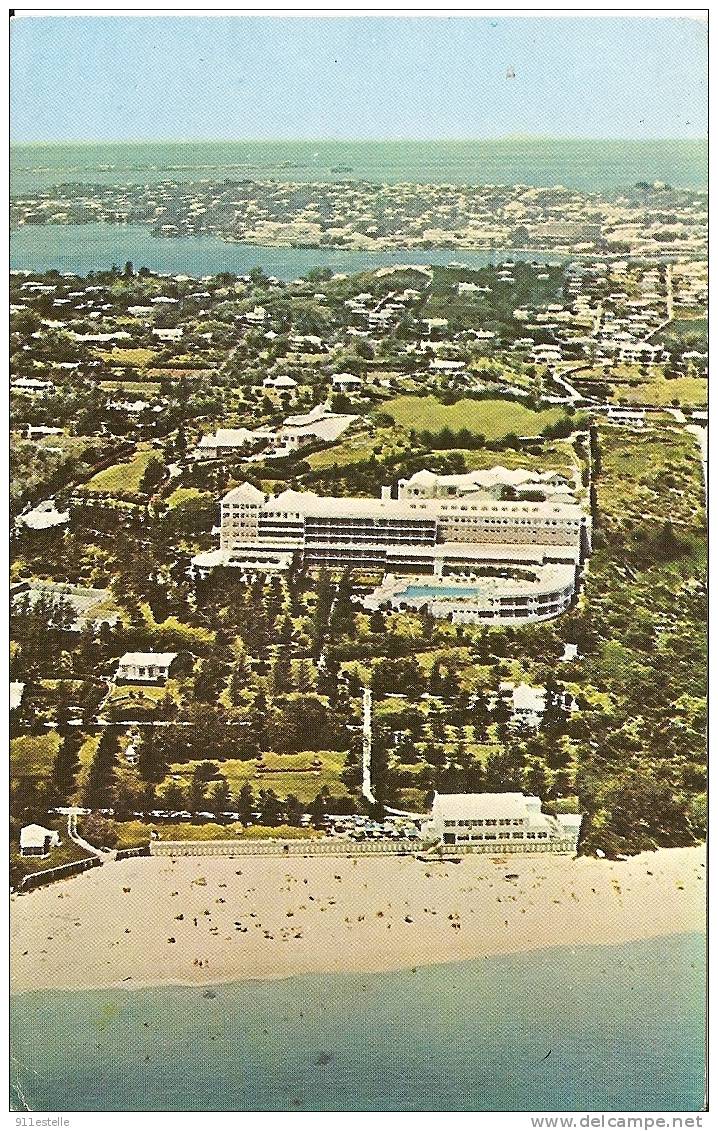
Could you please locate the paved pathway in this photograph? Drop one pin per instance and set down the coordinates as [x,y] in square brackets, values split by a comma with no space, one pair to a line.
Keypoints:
[84,844]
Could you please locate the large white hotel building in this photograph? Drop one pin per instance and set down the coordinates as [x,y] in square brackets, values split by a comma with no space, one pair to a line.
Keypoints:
[406,535]
[448,527]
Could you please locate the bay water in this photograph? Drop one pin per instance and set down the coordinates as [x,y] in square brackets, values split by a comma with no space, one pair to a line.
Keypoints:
[81,248]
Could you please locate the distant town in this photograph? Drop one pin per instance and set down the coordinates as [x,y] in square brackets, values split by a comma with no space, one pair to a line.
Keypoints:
[647,220]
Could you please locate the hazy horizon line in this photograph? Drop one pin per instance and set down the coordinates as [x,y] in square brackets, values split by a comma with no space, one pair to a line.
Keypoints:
[347,140]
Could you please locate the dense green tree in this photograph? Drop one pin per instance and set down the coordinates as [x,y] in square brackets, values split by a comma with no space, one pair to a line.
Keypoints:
[100,786]
[245,804]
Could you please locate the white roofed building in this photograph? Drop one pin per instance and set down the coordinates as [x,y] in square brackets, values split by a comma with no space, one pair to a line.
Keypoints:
[223,442]
[482,540]
[319,424]
[500,822]
[35,840]
[489,483]
[44,516]
[346,382]
[145,667]
[527,704]
[281,381]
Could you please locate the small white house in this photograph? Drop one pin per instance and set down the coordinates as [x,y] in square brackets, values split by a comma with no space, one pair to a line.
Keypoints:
[44,516]
[31,385]
[132,756]
[145,667]
[527,704]
[16,693]
[225,441]
[35,840]
[168,334]
[626,417]
[346,383]
[282,381]
[40,431]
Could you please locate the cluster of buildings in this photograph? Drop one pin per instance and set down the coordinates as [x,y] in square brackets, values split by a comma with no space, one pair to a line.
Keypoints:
[377,216]
[318,425]
[492,483]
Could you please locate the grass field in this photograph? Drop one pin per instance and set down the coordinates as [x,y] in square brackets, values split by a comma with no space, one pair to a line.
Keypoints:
[183,494]
[659,391]
[493,419]
[133,833]
[650,387]
[136,358]
[123,477]
[135,695]
[304,785]
[690,327]
[32,755]
[341,455]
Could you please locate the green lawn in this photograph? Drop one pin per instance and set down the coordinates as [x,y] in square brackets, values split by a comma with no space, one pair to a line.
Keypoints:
[353,451]
[304,785]
[86,755]
[32,755]
[138,388]
[135,357]
[135,695]
[650,387]
[123,477]
[659,391]
[493,419]
[182,494]
[134,833]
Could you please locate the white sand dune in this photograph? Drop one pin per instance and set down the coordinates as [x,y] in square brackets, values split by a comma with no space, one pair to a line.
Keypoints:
[153,921]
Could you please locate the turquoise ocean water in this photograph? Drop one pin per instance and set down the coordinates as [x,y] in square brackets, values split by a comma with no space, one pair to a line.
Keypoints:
[590,1028]
[592,165]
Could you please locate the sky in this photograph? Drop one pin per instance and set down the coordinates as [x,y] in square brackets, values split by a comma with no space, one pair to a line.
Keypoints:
[122,78]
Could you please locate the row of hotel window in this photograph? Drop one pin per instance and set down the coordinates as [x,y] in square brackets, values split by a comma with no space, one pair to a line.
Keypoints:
[489,822]
[536,519]
[511,521]
[502,836]
[526,507]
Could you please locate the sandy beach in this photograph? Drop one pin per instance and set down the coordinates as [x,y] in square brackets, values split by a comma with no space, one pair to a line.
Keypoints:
[203,920]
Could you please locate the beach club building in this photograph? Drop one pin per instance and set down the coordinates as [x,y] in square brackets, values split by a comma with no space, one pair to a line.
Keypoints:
[500,822]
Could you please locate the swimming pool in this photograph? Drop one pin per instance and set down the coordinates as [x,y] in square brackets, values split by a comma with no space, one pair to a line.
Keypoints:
[439,592]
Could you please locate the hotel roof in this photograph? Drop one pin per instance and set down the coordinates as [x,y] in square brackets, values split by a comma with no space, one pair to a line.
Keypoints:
[309,505]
